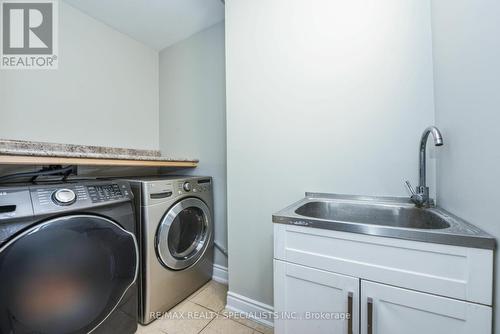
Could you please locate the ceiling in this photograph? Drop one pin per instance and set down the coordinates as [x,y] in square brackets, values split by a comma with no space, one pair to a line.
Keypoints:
[156,23]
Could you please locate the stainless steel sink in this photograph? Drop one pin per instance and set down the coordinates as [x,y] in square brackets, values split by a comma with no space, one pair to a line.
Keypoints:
[383,216]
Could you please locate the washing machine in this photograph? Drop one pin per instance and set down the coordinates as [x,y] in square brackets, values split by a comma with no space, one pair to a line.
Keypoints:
[69,258]
[176,231]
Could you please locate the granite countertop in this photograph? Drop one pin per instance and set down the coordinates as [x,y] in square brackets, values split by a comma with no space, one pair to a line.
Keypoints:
[42,149]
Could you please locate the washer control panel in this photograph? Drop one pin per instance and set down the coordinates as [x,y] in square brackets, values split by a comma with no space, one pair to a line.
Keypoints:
[50,196]
[78,195]
[106,192]
[15,203]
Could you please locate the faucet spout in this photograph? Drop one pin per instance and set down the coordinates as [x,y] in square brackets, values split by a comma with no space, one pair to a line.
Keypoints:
[421,194]
[438,141]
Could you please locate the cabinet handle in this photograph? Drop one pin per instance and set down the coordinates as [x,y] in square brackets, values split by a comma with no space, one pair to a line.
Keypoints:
[370,316]
[349,312]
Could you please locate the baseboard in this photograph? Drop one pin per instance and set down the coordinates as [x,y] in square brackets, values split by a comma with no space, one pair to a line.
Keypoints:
[220,274]
[253,309]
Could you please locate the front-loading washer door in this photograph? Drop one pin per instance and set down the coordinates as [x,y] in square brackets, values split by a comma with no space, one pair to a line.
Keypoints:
[184,234]
[65,275]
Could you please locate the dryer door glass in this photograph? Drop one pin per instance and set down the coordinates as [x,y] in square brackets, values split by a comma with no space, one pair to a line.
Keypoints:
[65,275]
[184,234]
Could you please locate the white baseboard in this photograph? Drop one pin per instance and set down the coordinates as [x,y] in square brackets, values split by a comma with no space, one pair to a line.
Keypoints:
[220,274]
[253,309]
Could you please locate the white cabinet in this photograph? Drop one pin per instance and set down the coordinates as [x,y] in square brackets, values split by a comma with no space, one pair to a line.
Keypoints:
[390,310]
[413,287]
[450,271]
[314,301]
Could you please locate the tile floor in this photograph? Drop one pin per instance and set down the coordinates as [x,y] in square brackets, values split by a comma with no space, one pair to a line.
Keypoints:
[204,313]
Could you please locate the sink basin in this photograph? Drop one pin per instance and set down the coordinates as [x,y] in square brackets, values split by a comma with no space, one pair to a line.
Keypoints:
[391,217]
[387,215]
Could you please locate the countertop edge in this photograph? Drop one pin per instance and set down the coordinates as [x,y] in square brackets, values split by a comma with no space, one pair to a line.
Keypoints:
[41,149]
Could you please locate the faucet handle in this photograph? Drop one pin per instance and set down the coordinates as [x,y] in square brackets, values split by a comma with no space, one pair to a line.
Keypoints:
[411,191]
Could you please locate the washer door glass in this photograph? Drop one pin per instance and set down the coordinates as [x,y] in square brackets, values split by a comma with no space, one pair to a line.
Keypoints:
[65,275]
[184,234]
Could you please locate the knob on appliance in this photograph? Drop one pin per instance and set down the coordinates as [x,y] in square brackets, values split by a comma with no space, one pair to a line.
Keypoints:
[187,186]
[64,197]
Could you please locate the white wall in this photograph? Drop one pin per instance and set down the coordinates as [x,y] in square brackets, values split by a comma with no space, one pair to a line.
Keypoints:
[192,112]
[467,85]
[328,96]
[105,91]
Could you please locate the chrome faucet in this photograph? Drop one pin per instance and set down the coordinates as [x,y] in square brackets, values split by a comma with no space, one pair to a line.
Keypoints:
[420,196]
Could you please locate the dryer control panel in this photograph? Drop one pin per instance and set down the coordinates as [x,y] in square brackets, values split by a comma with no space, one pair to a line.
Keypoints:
[195,186]
[156,191]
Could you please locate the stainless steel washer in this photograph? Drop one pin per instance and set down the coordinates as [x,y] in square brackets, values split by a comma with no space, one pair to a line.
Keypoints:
[175,224]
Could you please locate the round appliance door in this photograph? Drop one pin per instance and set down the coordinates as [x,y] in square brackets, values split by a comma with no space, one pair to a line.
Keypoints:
[184,234]
[65,275]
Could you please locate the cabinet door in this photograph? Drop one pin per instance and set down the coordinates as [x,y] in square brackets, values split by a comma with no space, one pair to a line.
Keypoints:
[390,310]
[314,301]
